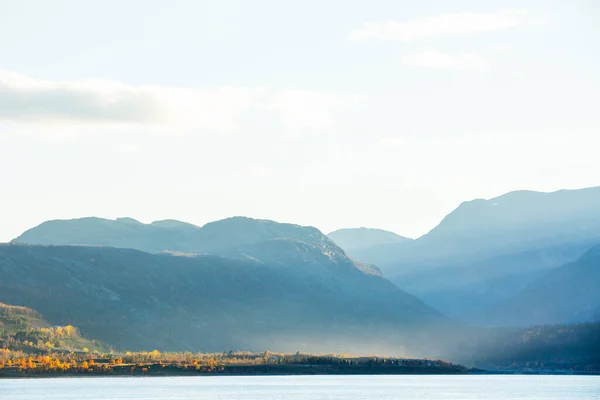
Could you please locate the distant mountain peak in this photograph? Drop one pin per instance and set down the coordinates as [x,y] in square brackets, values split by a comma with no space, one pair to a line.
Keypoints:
[520,209]
[486,250]
[128,220]
[531,194]
[173,223]
[169,234]
[249,221]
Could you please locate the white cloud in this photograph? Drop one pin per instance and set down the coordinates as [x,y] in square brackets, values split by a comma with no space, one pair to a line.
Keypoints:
[454,24]
[25,98]
[304,109]
[218,109]
[439,60]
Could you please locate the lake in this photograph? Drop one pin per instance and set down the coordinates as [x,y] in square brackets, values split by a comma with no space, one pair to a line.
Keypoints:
[405,387]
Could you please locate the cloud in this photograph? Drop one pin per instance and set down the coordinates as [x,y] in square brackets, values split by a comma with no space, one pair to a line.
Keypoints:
[440,60]
[303,109]
[454,24]
[26,99]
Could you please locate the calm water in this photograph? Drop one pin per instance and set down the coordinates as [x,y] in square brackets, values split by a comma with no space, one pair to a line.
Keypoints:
[307,387]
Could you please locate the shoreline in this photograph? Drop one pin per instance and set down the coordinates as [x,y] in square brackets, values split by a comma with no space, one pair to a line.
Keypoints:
[116,376]
[152,370]
[305,371]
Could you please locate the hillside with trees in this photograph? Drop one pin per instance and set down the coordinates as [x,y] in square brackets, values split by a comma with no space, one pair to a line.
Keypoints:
[26,331]
[31,347]
[299,299]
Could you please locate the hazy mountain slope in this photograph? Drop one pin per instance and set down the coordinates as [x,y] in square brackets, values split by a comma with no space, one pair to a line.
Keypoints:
[123,232]
[225,237]
[567,294]
[487,250]
[131,299]
[165,235]
[573,347]
[355,240]
[238,236]
[519,221]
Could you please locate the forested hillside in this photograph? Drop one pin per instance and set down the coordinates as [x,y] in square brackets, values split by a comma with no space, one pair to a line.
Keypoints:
[136,300]
[25,330]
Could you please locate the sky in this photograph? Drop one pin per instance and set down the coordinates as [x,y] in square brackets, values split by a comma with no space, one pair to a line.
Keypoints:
[383,113]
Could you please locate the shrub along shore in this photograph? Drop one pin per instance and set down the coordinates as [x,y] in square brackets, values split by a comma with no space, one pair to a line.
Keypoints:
[155,363]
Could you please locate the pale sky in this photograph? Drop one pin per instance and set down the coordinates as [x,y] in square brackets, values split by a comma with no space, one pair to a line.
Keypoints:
[332,113]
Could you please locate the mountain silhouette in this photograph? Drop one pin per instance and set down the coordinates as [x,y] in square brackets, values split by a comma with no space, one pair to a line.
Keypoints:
[486,251]
[263,285]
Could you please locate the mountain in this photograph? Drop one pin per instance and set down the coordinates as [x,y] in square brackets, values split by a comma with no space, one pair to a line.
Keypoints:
[557,348]
[237,236]
[356,240]
[167,235]
[567,294]
[264,286]
[486,251]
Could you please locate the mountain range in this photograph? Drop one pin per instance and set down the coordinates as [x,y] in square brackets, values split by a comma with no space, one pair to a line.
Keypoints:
[263,285]
[486,251]
[521,259]
[166,235]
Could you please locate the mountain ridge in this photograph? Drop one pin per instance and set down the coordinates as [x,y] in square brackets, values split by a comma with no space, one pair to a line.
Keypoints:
[164,235]
[137,300]
[485,251]
[259,281]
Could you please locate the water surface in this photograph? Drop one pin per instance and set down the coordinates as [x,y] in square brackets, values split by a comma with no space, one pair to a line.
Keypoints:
[412,387]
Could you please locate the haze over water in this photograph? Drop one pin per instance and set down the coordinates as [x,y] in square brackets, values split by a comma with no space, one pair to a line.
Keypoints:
[405,387]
